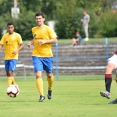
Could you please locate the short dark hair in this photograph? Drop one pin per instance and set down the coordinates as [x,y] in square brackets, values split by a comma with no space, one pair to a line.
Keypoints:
[39,14]
[10,23]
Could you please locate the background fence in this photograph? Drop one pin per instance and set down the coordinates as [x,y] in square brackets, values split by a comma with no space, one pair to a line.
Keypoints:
[68,60]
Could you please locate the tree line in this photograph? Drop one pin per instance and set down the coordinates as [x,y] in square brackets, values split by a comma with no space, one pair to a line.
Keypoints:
[67,15]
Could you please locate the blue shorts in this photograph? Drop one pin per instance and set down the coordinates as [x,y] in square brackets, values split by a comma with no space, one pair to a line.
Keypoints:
[10,65]
[41,64]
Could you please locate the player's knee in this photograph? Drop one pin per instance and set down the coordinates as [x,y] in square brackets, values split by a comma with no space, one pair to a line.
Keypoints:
[109,69]
[38,76]
[9,73]
[49,75]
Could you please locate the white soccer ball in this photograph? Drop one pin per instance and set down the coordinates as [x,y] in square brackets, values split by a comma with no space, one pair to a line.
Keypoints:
[12,91]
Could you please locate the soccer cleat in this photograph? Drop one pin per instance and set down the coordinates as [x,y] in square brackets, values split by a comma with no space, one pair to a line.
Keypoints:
[105,94]
[41,98]
[113,102]
[49,94]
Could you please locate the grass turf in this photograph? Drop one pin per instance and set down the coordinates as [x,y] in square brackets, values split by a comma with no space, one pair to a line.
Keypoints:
[91,41]
[77,97]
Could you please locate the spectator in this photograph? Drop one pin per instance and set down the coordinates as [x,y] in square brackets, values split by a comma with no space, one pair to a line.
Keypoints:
[85,21]
[77,40]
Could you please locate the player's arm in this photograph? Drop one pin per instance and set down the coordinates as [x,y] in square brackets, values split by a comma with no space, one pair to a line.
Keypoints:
[51,41]
[20,48]
[21,45]
[1,42]
[30,43]
[1,46]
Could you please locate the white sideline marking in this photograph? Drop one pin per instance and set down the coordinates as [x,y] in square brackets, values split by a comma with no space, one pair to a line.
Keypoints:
[88,67]
[18,65]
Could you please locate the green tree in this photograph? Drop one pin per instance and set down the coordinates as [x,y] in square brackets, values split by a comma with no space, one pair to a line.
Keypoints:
[26,19]
[5,14]
[108,24]
[66,13]
[69,18]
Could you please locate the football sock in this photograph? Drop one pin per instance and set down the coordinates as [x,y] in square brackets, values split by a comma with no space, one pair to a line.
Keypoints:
[108,80]
[13,81]
[39,84]
[9,81]
[50,82]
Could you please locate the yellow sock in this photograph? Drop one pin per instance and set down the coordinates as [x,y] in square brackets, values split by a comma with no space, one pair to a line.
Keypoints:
[9,81]
[50,82]
[13,81]
[39,84]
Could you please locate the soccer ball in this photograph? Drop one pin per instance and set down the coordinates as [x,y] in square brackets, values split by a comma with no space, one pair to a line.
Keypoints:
[12,91]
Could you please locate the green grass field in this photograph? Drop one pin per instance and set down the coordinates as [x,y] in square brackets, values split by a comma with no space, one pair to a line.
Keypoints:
[91,41]
[72,97]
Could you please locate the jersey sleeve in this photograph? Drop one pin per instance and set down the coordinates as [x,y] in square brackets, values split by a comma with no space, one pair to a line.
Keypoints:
[52,34]
[20,39]
[33,32]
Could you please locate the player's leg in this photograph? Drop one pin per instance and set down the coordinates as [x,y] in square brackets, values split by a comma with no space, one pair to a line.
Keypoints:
[39,84]
[50,79]
[108,80]
[10,66]
[108,76]
[9,80]
[48,65]
[38,68]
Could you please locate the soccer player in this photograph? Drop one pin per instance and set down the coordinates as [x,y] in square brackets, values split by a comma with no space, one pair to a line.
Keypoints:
[12,43]
[112,64]
[42,57]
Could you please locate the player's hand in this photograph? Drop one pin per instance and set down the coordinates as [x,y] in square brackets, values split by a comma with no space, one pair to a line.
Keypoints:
[40,42]
[15,52]
[29,44]
[116,79]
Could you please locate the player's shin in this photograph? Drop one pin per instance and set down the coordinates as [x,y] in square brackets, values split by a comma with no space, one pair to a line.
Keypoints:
[50,82]
[108,80]
[9,81]
[39,84]
[13,81]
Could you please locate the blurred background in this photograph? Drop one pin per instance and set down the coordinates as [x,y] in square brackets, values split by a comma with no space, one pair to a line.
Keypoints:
[63,15]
